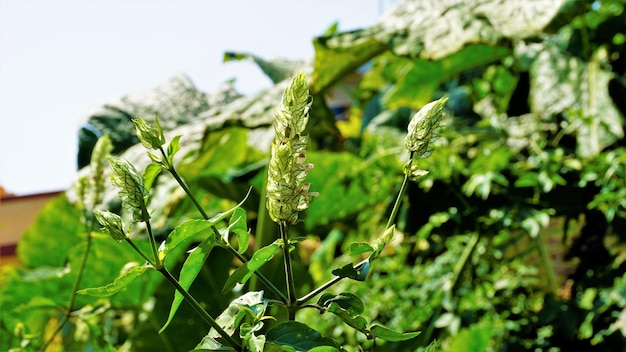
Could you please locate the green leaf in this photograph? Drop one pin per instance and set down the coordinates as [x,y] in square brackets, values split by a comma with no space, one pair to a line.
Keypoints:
[387,334]
[244,272]
[172,148]
[184,233]
[358,248]
[238,225]
[349,271]
[210,344]
[120,283]
[150,174]
[190,270]
[345,300]
[340,54]
[475,338]
[252,304]
[380,243]
[416,80]
[298,336]
[347,306]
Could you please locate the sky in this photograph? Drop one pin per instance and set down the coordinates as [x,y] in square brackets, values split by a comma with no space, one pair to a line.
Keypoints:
[61,59]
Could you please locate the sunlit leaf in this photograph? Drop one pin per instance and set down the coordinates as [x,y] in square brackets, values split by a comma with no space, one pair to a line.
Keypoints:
[238,225]
[119,284]
[190,270]
[244,272]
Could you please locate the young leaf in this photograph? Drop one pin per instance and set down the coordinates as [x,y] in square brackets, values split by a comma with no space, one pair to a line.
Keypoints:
[244,272]
[183,233]
[251,303]
[358,248]
[210,344]
[350,272]
[298,336]
[381,242]
[192,266]
[239,226]
[150,174]
[390,335]
[172,148]
[120,283]
[346,301]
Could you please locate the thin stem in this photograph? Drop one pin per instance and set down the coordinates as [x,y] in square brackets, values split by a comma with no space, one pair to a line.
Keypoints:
[291,287]
[198,308]
[79,276]
[328,284]
[143,255]
[155,253]
[188,192]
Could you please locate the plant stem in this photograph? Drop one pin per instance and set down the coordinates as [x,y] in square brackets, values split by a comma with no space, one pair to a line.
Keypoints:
[188,192]
[198,308]
[79,276]
[157,262]
[291,287]
[141,253]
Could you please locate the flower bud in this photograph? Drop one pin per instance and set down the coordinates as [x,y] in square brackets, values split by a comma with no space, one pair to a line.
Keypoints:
[111,224]
[423,128]
[132,192]
[150,137]
[286,195]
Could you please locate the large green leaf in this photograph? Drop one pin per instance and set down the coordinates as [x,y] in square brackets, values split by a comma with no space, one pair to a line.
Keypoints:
[339,54]
[191,268]
[56,229]
[347,184]
[416,80]
[298,336]
[385,333]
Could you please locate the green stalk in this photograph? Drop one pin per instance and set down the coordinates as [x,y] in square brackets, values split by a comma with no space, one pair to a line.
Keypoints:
[79,276]
[291,287]
[198,308]
[155,253]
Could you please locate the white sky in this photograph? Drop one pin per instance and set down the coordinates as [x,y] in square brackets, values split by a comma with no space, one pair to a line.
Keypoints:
[59,59]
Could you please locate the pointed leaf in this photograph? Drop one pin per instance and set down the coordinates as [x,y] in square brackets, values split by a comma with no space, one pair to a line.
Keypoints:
[251,303]
[381,242]
[191,268]
[238,225]
[350,272]
[150,174]
[184,233]
[172,148]
[345,300]
[298,336]
[244,272]
[120,283]
[358,248]
[385,333]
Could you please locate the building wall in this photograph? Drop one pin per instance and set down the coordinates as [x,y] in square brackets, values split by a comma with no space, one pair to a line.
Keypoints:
[17,213]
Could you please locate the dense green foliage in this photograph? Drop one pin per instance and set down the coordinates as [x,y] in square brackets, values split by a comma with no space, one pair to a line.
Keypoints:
[514,240]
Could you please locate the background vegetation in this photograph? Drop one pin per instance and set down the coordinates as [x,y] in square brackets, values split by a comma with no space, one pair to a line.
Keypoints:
[514,241]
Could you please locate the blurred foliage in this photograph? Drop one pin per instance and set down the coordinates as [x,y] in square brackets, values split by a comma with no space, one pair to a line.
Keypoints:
[515,240]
